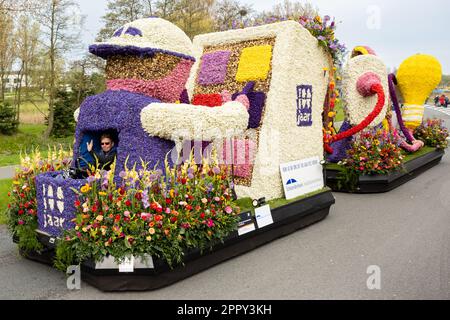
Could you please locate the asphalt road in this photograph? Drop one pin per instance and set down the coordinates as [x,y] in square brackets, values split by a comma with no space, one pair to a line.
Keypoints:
[406,233]
[7,172]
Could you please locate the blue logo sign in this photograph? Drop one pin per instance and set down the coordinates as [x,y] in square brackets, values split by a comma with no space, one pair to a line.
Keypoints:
[304,105]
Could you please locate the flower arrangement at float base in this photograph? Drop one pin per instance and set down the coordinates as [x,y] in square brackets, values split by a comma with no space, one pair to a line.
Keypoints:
[190,207]
[374,151]
[22,207]
[433,133]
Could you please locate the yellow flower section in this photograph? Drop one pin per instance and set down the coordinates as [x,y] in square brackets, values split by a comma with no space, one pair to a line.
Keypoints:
[254,64]
[417,77]
[360,50]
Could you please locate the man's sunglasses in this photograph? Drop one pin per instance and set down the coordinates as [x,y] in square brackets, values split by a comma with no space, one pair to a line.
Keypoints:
[106,143]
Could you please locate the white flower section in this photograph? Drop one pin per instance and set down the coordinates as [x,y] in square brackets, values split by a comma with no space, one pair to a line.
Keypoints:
[357,106]
[76,114]
[60,206]
[51,203]
[189,122]
[157,33]
[297,60]
[50,191]
[60,193]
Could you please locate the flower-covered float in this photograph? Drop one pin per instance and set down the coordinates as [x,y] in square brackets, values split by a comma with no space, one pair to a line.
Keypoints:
[208,135]
[377,150]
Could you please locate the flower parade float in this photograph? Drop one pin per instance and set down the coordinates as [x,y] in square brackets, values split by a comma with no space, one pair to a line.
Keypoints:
[219,151]
[379,149]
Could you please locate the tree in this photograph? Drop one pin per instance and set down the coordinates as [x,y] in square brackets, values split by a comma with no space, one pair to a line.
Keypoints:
[8,122]
[85,78]
[64,122]
[120,12]
[61,24]
[26,38]
[294,9]
[445,83]
[227,12]
[15,6]
[165,9]
[7,48]
[194,17]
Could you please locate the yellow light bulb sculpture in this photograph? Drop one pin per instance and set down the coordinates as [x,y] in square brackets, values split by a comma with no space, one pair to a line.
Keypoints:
[417,77]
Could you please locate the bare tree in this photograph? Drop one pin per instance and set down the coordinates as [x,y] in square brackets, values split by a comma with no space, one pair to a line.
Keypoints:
[81,77]
[120,12]
[7,49]
[165,9]
[294,9]
[26,38]
[14,6]
[194,17]
[226,12]
[61,24]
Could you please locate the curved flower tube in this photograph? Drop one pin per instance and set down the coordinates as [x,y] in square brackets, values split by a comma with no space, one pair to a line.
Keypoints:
[411,145]
[392,82]
[368,84]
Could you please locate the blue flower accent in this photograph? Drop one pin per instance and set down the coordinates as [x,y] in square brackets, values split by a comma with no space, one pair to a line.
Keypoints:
[134,31]
[118,32]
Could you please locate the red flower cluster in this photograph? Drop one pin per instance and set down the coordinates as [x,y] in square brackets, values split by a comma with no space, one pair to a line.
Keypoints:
[210,100]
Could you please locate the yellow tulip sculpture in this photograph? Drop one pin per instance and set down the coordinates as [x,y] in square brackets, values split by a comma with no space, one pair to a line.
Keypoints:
[417,77]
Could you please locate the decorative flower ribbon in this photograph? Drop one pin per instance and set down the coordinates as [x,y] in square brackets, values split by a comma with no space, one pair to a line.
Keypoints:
[367,85]
[392,83]
[411,144]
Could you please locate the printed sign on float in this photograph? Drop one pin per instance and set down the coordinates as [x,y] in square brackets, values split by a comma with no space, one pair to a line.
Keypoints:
[263,216]
[127,265]
[302,177]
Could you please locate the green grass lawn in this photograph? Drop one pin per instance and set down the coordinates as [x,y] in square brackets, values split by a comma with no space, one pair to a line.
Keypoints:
[31,113]
[30,136]
[5,187]
[340,115]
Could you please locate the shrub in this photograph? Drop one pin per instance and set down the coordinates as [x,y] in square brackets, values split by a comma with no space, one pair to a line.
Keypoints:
[433,133]
[8,122]
[64,122]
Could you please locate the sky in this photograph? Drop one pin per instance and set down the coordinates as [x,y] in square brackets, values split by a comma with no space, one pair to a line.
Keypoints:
[395,29]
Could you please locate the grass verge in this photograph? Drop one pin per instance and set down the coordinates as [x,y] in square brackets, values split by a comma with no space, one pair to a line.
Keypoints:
[5,187]
[28,138]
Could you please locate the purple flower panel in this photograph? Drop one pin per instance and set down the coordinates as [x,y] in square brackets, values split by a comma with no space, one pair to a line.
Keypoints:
[134,31]
[118,32]
[184,98]
[55,202]
[214,68]
[105,50]
[121,111]
[257,101]
[340,147]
